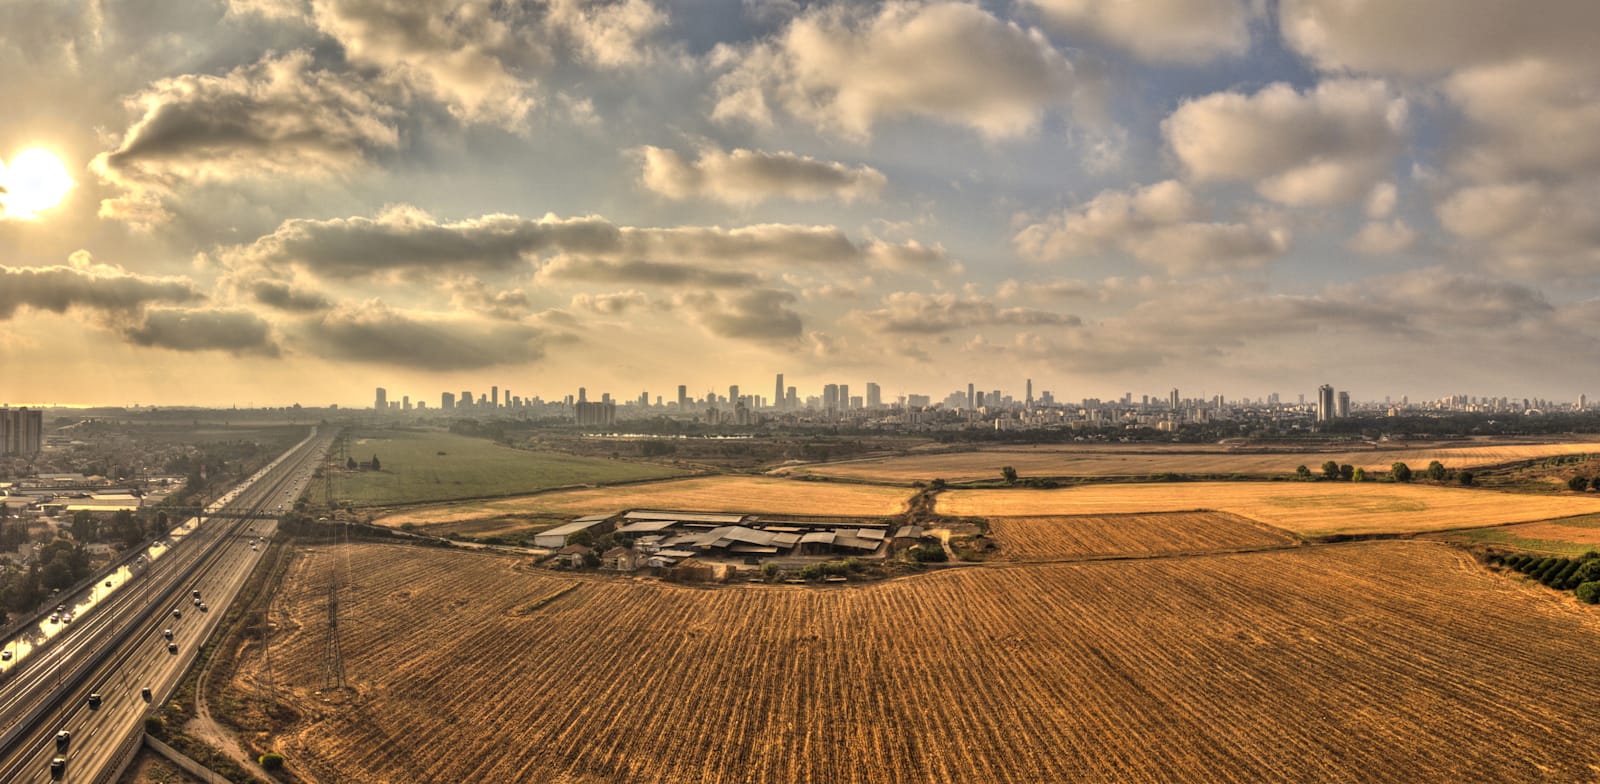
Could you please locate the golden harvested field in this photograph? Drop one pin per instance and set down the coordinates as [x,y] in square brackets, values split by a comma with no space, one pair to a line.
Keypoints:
[1398,662]
[1143,460]
[1091,536]
[702,494]
[1309,508]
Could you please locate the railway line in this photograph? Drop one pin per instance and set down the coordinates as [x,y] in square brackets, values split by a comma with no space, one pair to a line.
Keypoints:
[119,648]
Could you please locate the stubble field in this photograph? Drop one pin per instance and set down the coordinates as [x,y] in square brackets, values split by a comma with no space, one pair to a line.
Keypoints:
[1134,535]
[1374,662]
[1109,461]
[1308,508]
[700,494]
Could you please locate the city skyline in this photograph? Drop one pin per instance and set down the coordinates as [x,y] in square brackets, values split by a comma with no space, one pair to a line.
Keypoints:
[281,199]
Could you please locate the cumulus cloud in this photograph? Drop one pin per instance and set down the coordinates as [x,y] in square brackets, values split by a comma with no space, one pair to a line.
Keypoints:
[405,240]
[1528,227]
[1167,31]
[1383,238]
[749,177]
[1161,225]
[1325,146]
[845,69]
[475,295]
[83,283]
[918,313]
[1430,37]
[1532,117]
[279,117]
[237,332]
[760,315]
[372,332]
[482,60]
[613,304]
[287,297]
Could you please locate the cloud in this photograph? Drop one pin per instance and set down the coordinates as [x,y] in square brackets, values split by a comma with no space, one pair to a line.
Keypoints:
[475,295]
[762,315]
[276,118]
[1420,38]
[614,304]
[1161,225]
[403,240]
[1528,227]
[1163,31]
[917,313]
[845,69]
[375,333]
[284,296]
[1325,146]
[1383,238]
[749,177]
[911,256]
[86,284]
[651,273]
[1529,118]
[237,332]
[482,60]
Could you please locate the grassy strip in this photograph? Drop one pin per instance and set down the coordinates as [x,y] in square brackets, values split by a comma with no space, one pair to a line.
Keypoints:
[531,608]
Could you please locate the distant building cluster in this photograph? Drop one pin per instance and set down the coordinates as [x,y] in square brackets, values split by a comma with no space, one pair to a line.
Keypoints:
[974,407]
[21,431]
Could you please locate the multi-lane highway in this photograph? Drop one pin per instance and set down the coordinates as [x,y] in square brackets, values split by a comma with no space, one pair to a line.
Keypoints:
[90,680]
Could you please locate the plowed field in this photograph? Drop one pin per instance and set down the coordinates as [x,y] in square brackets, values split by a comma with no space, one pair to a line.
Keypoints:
[1311,508]
[1146,461]
[1091,536]
[703,494]
[1394,662]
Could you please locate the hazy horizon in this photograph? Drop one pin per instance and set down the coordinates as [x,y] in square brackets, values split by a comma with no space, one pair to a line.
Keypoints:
[218,202]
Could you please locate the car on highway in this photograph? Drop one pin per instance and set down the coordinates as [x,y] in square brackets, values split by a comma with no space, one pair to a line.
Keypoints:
[195,593]
[94,700]
[58,766]
[167,633]
[145,693]
[5,655]
[172,647]
[55,617]
[177,613]
[204,608]
[63,738]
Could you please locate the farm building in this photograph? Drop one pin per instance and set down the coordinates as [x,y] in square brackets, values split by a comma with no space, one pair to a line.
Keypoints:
[619,559]
[572,555]
[561,535]
[906,537]
[745,536]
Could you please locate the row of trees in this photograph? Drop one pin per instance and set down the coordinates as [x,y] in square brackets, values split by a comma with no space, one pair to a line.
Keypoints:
[1398,471]
[60,565]
[1580,575]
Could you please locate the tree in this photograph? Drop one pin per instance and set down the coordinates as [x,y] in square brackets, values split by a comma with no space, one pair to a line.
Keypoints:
[351,464]
[1347,472]
[1359,475]
[1009,474]
[1302,473]
[1436,471]
[376,466]
[1578,484]
[1464,477]
[126,528]
[1401,472]
[1330,470]
[84,527]
[1589,592]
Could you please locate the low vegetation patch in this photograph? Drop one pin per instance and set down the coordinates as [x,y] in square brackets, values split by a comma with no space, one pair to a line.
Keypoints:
[1580,575]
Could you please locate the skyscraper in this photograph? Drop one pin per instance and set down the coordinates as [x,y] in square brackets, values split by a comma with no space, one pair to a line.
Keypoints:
[874,395]
[683,397]
[447,401]
[733,394]
[830,398]
[1174,398]
[777,393]
[494,397]
[1030,393]
[844,397]
[1325,403]
[1342,409]
[21,431]
[972,396]
[382,403]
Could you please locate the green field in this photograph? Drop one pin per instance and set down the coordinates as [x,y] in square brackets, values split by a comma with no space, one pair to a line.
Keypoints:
[438,466]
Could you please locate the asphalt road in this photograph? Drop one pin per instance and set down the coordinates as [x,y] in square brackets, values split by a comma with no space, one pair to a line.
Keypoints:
[119,647]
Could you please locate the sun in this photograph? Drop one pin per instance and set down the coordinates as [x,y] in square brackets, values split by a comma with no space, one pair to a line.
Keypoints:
[34,181]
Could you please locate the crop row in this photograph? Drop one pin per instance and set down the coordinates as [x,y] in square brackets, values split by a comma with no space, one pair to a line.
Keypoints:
[1580,575]
[1088,536]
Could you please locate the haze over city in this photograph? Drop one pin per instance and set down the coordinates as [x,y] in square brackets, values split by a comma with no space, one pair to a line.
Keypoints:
[272,201]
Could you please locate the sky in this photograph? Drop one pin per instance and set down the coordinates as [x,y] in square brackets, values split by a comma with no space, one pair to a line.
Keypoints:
[267,202]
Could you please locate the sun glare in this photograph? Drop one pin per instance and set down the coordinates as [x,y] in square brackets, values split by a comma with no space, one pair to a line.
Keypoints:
[33,181]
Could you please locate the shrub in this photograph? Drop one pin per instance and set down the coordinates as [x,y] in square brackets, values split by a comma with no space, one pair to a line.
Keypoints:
[1589,592]
[153,725]
[1464,477]
[1347,472]
[272,760]
[929,553]
[1358,475]
[1436,471]
[1401,472]
[1302,473]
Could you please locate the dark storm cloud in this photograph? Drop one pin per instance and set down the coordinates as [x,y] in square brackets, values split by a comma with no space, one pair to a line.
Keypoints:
[234,331]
